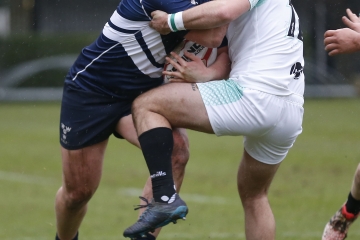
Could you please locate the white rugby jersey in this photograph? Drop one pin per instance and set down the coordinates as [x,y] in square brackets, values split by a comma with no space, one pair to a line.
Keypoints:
[128,56]
[266,48]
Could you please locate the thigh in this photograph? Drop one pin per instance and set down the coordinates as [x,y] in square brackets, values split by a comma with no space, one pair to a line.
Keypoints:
[87,117]
[179,103]
[82,168]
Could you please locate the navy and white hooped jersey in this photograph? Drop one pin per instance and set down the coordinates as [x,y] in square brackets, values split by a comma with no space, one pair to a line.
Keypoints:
[128,56]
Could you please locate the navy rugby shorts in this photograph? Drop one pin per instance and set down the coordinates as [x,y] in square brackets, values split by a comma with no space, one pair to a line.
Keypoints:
[89,117]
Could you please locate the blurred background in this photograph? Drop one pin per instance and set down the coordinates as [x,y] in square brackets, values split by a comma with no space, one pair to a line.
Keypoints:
[40,39]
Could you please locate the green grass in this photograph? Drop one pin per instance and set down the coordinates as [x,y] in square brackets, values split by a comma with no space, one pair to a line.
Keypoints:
[310,186]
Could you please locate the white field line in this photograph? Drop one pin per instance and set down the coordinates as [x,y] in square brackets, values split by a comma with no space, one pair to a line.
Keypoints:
[31,179]
[225,235]
[24,178]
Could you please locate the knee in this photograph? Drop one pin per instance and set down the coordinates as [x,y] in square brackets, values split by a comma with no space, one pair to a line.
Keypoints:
[181,154]
[251,196]
[77,197]
[140,104]
[253,201]
[137,104]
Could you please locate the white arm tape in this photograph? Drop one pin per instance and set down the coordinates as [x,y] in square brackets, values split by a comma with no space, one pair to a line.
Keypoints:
[175,22]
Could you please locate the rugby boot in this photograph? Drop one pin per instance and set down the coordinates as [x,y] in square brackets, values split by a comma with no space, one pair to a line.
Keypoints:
[338,226]
[156,215]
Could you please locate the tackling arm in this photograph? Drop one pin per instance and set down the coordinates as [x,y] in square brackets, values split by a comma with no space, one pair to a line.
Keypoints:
[205,16]
[214,13]
[211,38]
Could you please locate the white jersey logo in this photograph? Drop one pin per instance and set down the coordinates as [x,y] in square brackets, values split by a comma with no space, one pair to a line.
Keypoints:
[193,2]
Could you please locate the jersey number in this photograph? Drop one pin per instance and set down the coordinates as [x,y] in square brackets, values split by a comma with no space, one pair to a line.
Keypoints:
[292,27]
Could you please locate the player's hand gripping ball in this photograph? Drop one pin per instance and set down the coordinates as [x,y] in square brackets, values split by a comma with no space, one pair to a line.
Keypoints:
[207,55]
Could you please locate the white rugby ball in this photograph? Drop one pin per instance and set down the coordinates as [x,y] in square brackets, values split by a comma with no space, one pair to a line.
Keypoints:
[207,55]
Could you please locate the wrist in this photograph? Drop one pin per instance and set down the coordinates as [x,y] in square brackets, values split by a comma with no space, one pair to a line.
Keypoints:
[175,22]
[356,42]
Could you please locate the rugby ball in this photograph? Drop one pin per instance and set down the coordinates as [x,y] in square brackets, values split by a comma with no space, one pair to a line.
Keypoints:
[207,55]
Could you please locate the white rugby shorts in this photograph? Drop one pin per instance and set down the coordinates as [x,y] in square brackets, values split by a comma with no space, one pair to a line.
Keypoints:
[269,123]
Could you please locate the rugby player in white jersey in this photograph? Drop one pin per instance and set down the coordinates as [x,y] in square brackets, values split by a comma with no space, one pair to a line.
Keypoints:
[262,100]
[126,60]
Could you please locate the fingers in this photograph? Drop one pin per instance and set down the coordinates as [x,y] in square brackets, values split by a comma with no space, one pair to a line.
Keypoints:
[172,75]
[329,40]
[329,33]
[179,59]
[353,17]
[348,23]
[332,46]
[334,52]
[154,13]
[192,56]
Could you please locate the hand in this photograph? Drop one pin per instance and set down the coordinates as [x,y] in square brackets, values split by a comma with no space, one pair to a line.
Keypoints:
[193,71]
[159,22]
[353,22]
[341,41]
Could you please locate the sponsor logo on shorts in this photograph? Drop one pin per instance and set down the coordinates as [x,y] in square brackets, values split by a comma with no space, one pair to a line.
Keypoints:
[65,130]
[193,2]
[296,70]
[158,174]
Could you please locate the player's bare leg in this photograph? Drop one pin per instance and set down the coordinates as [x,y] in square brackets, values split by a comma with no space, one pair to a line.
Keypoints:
[338,226]
[178,105]
[81,176]
[355,188]
[180,157]
[254,179]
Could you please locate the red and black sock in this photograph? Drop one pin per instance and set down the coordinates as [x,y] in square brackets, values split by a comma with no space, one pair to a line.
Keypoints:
[352,205]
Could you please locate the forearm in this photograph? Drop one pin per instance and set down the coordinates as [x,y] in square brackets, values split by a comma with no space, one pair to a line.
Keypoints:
[214,13]
[220,69]
[211,38]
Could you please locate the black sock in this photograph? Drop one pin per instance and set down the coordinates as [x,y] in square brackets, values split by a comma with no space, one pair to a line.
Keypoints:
[75,238]
[352,205]
[157,145]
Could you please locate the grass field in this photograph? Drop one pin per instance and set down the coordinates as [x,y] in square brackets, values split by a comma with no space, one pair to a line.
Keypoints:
[311,184]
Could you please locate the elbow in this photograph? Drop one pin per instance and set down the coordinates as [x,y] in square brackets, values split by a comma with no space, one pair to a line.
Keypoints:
[216,41]
[225,13]
[212,42]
